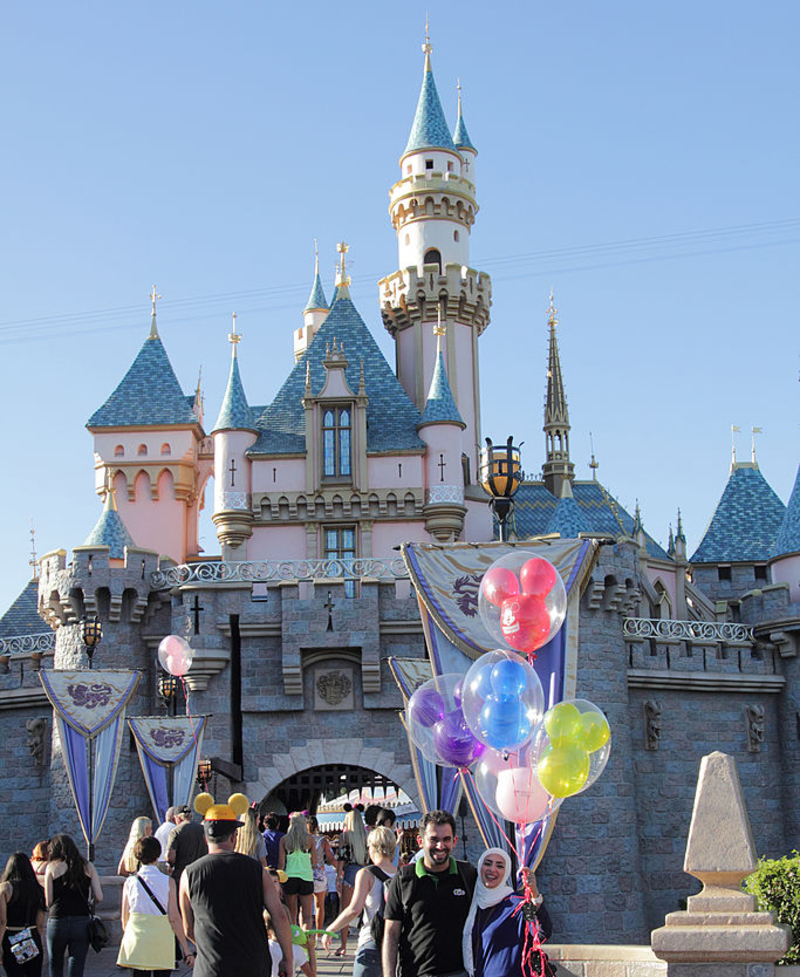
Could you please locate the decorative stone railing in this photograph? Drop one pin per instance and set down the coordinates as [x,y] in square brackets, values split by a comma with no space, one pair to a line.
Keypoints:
[648,627]
[22,644]
[277,570]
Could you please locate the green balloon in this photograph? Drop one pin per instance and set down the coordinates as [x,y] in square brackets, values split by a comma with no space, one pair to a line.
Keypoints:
[596,731]
[563,724]
[563,770]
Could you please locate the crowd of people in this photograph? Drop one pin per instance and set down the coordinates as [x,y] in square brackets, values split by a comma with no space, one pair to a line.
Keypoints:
[234,895]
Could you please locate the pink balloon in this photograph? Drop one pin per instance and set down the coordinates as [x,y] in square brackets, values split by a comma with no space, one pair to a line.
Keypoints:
[520,797]
[175,655]
[538,576]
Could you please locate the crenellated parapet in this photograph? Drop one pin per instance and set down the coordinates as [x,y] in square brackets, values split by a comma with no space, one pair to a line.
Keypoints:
[433,194]
[408,298]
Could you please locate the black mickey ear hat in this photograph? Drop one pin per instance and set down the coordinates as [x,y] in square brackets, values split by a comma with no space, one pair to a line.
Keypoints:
[360,807]
[348,807]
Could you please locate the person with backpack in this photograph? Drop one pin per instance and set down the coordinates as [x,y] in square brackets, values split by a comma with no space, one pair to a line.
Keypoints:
[367,903]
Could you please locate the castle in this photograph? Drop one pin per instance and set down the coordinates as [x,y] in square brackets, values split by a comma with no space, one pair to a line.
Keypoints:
[293,625]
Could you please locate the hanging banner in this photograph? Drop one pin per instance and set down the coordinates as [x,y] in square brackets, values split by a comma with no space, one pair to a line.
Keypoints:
[89,711]
[447,579]
[169,749]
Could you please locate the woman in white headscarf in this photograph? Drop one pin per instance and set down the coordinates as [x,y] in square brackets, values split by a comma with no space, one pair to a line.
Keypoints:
[495,930]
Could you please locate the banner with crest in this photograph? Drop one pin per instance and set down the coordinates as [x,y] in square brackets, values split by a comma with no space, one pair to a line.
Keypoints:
[169,749]
[89,712]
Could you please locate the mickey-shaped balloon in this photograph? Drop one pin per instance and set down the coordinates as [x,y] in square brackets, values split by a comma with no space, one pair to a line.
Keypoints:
[522,600]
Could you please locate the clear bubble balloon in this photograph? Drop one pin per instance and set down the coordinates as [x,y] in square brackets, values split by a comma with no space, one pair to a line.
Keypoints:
[508,785]
[502,700]
[570,747]
[436,723]
[175,655]
[522,601]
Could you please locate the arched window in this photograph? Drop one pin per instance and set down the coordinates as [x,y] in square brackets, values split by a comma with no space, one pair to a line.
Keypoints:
[455,235]
[336,442]
[119,451]
[141,451]
[433,257]
[165,449]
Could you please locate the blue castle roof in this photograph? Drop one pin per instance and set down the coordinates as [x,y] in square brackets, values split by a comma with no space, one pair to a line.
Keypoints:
[391,417]
[461,136]
[788,540]
[746,522]
[567,519]
[148,395]
[110,531]
[234,414]
[316,300]
[440,407]
[23,617]
[535,509]
[429,129]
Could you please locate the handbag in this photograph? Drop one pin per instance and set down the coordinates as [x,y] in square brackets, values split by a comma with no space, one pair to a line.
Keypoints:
[23,946]
[96,930]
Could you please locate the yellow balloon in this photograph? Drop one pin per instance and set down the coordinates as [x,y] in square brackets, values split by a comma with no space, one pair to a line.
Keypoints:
[596,731]
[563,724]
[563,770]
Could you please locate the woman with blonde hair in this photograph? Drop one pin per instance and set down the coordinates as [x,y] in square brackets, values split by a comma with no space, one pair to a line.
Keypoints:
[324,856]
[368,897]
[352,856]
[297,856]
[128,864]
[248,839]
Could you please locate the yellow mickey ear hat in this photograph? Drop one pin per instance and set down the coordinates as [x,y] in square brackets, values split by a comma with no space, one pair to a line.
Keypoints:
[232,811]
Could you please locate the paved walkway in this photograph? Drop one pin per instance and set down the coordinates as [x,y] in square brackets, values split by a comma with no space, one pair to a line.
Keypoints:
[104,964]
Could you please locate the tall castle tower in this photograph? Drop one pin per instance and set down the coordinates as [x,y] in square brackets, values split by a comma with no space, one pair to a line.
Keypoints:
[433,208]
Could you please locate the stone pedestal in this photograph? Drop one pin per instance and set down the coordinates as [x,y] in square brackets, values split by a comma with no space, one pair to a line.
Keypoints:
[720,934]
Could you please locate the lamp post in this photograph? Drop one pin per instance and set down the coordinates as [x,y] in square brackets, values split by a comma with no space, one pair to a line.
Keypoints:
[168,692]
[92,634]
[500,477]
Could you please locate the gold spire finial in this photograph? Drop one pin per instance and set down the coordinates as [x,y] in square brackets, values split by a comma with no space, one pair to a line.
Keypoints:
[342,247]
[593,464]
[753,432]
[154,297]
[440,328]
[111,492]
[551,312]
[33,561]
[426,47]
[734,431]
[234,337]
[458,89]
[316,257]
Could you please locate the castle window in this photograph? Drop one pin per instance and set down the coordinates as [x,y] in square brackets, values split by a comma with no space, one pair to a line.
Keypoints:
[449,167]
[165,449]
[761,574]
[724,573]
[408,169]
[433,257]
[428,164]
[337,442]
[141,451]
[455,235]
[340,544]
[408,239]
[119,451]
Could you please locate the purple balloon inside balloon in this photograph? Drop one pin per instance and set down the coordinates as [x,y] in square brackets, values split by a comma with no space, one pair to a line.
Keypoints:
[426,707]
[454,741]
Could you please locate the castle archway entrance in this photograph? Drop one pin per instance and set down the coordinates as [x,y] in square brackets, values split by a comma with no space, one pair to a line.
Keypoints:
[306,789]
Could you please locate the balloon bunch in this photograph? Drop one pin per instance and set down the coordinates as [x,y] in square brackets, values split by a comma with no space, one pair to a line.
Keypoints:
[437,725]
[522,601]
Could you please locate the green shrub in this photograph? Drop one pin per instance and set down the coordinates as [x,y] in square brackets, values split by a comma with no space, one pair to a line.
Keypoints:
[776,886]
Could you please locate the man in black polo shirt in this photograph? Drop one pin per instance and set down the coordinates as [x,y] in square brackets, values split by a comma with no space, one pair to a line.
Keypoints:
[427,905]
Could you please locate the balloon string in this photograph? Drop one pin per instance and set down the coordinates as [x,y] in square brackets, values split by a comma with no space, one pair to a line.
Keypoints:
[188,710]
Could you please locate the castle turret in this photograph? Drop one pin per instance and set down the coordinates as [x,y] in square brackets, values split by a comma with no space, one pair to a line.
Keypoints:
[233,434]
[785,560]
[314,313]
[557,467]
[111,531]
[441,429]
[150,447]
[433,208]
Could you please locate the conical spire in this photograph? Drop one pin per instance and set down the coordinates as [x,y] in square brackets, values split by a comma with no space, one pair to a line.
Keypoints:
[788,540]
[556,428]
[234,414]
[568,519]
[316,300]
[460,135]
[154,297]
[440,407]
[342,290]
[429,129]
[110,530]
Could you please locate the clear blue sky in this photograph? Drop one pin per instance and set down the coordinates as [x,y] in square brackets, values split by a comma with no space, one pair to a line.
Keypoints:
[640,158]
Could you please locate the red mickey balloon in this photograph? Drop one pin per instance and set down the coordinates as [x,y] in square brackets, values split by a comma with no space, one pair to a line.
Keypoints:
[538,577]
[525,621]
[499,584]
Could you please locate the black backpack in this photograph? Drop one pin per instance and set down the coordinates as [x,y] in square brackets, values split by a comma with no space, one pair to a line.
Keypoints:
[376,924]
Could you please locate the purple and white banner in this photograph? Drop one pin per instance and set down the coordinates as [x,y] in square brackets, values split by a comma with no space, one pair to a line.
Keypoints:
[89,712]
[169,748]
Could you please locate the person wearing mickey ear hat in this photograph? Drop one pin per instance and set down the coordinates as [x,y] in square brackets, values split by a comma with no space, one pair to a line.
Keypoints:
[222,899]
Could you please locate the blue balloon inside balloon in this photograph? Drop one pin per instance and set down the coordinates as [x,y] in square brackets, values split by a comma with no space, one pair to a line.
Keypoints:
[504,724]
[480,684]
[508,677]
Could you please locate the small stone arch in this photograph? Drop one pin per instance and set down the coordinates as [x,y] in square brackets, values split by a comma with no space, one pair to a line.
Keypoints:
[142,486]
[166,449]
[166,484]
[141,451]
[351,751]
[119,451]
